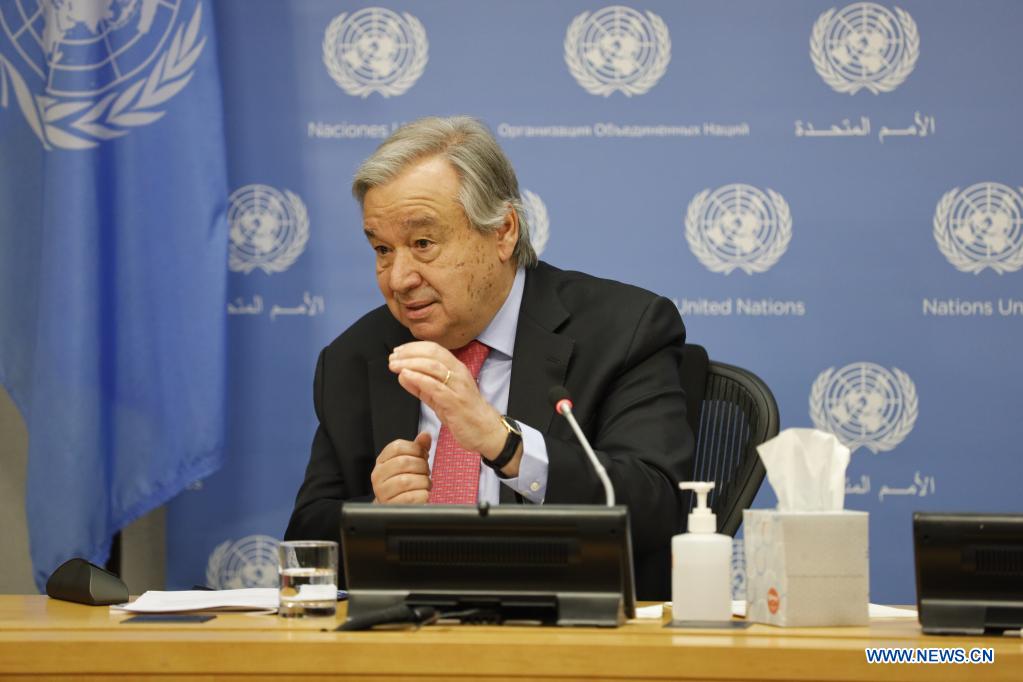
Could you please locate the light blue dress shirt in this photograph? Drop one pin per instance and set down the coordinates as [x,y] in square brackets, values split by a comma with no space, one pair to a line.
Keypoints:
[494,383]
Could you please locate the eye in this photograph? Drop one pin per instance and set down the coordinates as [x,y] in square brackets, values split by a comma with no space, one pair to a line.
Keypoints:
[422,244]
[381,250]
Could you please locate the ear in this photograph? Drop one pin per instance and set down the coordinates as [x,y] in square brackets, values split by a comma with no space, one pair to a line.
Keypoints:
[508,235]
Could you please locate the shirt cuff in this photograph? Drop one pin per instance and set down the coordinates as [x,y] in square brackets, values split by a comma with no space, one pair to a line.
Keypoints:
[531,482]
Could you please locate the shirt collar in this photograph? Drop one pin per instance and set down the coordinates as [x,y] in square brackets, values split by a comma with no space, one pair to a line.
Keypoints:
[500,333]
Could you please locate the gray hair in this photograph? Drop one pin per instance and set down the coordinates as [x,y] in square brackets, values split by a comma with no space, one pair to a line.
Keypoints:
[489,188]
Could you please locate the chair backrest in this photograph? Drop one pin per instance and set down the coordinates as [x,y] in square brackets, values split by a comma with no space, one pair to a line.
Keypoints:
[738,412]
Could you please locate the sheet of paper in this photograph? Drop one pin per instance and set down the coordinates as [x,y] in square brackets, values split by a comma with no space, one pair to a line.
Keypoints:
[881,611]
[248,599]
[657,610]
[653,611]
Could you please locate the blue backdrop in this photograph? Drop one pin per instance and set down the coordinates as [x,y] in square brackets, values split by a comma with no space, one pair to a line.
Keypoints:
[831,255]
[830,192]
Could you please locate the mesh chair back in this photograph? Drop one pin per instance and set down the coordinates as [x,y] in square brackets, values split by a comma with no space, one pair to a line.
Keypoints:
[737,414]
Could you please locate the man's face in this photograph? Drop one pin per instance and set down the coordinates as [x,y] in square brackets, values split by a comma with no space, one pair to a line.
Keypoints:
[441,278]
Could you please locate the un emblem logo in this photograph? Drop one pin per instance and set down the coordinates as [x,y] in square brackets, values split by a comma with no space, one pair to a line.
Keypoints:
[864,405]
[249,562]
[981,227]
[91,71]
[375,50]
[738,226]
[864,45]
[617,48]
[268,229]
[537,219]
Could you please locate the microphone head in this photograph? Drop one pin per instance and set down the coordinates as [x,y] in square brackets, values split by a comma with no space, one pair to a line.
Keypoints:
[558,395]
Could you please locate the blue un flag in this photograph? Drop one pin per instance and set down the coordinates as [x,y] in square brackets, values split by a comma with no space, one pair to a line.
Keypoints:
[113,252]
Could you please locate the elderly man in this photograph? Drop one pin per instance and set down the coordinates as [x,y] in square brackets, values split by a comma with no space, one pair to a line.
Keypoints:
[441,395]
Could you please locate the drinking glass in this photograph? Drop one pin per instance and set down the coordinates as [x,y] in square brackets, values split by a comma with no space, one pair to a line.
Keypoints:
[308,572]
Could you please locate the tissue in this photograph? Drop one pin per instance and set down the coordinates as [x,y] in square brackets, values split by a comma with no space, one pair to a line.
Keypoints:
[807,562]
[806,469]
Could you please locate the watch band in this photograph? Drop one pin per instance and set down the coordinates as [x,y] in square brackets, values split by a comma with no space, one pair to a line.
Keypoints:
[511,444]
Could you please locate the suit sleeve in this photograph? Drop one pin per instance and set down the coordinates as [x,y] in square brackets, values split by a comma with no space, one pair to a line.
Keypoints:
[317,513]
[637,427]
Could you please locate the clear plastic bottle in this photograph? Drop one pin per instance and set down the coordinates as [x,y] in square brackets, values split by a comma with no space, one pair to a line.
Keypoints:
[701,565]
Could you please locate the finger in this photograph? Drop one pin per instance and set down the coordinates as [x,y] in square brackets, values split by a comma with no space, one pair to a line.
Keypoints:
[432,391]
[417,383]
[405,464]
[412,497]
[397,448]
[402,483]
[428,366]
[423,440]
[426,349]
[449,404]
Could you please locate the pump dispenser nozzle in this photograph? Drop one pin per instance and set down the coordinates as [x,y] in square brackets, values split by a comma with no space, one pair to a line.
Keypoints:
[701,519]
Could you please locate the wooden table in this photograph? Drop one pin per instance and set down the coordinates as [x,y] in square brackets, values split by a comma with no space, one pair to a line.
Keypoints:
[42,638]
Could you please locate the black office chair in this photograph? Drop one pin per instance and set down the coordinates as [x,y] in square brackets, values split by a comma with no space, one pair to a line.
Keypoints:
[731,411]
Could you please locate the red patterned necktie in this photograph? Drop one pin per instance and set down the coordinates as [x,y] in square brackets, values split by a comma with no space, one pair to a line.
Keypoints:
[455,478]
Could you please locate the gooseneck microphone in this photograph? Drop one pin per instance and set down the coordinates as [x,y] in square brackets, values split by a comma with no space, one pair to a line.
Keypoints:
[558,395]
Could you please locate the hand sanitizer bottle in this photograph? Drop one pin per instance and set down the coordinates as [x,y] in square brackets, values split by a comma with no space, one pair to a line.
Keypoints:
[701,565]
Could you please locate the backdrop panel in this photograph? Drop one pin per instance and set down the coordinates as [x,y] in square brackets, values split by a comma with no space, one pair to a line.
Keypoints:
[830,192]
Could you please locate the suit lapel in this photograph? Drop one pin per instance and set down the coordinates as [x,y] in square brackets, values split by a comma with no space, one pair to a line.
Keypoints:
[395,411]
[541,356]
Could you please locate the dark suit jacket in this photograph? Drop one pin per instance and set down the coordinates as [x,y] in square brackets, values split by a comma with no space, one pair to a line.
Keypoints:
[618,350]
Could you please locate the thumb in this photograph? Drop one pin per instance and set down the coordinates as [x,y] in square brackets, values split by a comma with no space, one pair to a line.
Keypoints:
[423,440]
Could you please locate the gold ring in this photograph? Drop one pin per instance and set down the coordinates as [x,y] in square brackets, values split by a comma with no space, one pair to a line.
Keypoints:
[447,378]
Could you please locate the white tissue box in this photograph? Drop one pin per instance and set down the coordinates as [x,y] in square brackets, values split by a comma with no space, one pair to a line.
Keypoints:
[806,568]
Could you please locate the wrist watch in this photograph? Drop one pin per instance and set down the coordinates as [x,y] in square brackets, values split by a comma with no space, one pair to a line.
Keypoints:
[511,444]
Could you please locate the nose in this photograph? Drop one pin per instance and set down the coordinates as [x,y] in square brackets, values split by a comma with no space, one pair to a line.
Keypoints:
[404,272]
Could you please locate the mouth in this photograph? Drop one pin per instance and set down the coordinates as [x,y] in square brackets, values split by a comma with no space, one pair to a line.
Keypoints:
[417,310]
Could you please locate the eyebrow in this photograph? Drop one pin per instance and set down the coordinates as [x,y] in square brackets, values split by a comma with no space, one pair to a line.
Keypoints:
[408,224]
[419,221]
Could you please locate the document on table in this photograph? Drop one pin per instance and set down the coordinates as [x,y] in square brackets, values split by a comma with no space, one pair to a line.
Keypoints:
[657,610]
[882,611]
[248,599]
